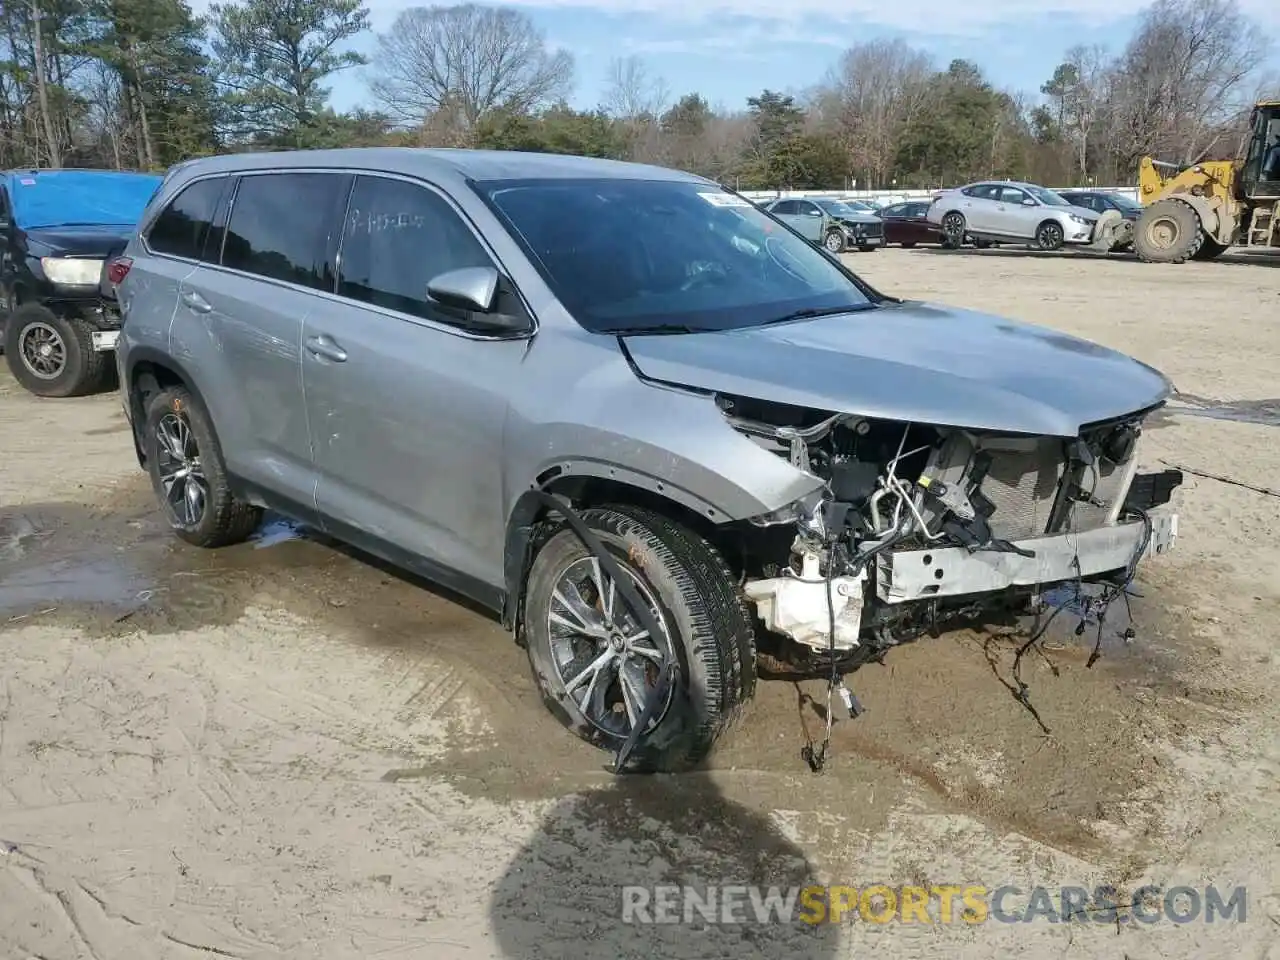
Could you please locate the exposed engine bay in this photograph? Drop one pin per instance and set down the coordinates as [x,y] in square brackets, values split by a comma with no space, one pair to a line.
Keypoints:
[917,524]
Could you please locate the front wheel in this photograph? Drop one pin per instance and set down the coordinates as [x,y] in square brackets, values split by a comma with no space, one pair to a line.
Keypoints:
[189,475]
[596,667]
[1168,231]
[834,241]
[1049,235]
[52,355]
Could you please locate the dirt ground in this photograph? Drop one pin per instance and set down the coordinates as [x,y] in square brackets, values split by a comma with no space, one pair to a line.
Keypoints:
[281,750]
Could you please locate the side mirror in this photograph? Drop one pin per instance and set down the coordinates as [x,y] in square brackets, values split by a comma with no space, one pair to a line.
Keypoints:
[470,288]
[1028,202]
[474,290]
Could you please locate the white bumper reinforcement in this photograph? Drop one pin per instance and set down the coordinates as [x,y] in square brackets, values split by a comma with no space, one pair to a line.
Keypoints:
[954,571]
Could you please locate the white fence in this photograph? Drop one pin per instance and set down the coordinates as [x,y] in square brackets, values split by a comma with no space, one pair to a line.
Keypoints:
[883,197]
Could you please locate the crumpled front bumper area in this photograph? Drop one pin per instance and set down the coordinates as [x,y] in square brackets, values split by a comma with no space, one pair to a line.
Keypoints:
[906,575]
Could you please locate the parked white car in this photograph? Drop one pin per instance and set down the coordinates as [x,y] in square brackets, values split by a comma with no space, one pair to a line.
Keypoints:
[1003,211]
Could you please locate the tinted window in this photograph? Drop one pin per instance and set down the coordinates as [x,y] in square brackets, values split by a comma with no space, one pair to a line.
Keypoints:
[182,226]
[281,226]
[784,208]
[625,254]
[398,236]
[1086,200]
[1010,195]
[919,209]
[897,210]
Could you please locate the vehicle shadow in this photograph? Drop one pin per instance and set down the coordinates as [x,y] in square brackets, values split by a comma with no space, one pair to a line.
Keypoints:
[590,882]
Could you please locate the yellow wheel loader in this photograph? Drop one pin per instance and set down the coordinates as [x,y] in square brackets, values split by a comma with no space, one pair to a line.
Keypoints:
[1200,211]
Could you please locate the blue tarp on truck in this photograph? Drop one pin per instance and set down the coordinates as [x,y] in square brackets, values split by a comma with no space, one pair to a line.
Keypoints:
[59,198]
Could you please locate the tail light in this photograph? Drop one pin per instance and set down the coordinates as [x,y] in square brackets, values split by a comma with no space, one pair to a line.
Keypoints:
[118,269]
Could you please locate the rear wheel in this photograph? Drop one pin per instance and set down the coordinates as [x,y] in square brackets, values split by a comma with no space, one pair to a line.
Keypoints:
[52,355]
[1168,231]
[596,667]
[953,230]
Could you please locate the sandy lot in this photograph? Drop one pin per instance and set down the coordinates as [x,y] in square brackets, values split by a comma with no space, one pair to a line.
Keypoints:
[281,750]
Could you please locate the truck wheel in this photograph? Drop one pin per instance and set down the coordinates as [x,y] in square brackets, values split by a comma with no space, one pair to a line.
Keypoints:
[53,356]
[595,666]
[1168,231]
[189,475]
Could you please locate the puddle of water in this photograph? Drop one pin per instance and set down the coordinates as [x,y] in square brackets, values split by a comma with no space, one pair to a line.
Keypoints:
[1262,412]
[275,530]
[81,581]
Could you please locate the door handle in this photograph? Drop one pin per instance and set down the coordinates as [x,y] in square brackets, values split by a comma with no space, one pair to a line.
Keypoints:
[322,346]
[196,302]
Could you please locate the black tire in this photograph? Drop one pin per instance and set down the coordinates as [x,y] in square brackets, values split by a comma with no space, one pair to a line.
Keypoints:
[52,355]
[1168,231]
[954,230]
[224,519]
[1210,249]
[834,241]
[868,249]
[1050,236]
[981,244]
[699,604]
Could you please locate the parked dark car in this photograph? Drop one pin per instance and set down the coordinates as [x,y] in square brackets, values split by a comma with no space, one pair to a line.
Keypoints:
[59,230]
[1100,201]
[905,223]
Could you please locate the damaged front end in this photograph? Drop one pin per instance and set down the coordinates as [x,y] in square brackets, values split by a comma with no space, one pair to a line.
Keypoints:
[919,524]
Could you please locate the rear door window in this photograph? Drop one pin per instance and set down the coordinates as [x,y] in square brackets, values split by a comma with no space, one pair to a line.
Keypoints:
[183,225]
[398,236]
[284,226]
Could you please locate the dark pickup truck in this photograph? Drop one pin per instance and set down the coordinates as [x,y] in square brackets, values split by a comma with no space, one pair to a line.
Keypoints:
[59,230]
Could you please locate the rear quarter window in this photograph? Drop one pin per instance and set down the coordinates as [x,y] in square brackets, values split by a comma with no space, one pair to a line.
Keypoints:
[183,225]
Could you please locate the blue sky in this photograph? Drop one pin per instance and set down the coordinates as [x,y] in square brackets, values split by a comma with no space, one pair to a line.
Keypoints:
[728,50]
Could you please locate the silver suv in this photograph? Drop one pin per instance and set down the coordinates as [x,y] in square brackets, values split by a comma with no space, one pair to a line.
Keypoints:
[650,426]
[1005,211]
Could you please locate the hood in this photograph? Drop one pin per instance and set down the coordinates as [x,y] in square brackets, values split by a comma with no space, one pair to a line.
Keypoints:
[1082,212]
[78,241]
[859,218]
[915,362]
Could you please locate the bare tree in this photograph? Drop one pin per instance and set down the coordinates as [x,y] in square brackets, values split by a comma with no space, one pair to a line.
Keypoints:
[468,60]
[875,91]
[632,92]
[1187,73]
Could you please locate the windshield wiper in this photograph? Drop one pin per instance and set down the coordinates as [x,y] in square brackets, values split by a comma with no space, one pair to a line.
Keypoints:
[657,328]
[813,312]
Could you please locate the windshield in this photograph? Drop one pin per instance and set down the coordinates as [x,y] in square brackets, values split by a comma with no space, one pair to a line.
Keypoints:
[1047,197]
[666,255]
[1123,202]
[61,198]
[844,208]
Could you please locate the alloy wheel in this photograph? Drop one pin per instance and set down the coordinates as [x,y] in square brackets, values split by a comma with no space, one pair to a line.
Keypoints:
[835,242]
[1049,236]
[186,489]
[606,660]
[953,226]
[43,351]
